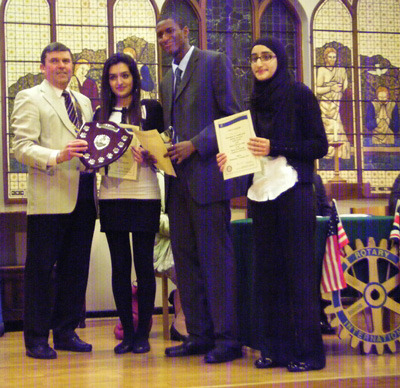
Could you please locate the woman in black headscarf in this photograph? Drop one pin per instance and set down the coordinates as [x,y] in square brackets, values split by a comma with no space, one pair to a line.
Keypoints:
[290,136]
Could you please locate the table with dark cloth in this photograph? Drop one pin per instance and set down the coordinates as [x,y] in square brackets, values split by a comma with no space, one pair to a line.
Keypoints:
[356,227]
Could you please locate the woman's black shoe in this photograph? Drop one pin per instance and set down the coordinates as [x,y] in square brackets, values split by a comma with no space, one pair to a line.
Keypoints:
[298,366]
[265,362]
[175,335]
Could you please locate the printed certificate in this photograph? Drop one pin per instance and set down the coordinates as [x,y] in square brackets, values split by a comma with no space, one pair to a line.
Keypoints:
[152,142]
[233,134]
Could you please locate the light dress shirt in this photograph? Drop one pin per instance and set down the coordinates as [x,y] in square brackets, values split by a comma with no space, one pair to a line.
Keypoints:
[183,63]
[276,177]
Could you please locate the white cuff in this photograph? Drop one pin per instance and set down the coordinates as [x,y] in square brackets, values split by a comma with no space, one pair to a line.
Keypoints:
[53,158]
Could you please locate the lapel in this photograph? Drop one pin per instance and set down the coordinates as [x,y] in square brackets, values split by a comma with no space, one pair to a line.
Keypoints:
[57,104]
[84,106]
[191,66]
[167,89]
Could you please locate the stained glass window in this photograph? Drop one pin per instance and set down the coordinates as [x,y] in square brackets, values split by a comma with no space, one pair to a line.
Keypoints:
[229,30]
[27,31]
[378,72]
[333,51]
[358,88]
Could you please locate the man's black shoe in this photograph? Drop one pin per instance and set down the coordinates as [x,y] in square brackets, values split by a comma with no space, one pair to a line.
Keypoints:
[71,342]
[41,351]
[188,348]
[223,353]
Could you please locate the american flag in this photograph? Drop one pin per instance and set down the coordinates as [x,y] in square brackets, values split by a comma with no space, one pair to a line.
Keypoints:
[332,272]
[395,232]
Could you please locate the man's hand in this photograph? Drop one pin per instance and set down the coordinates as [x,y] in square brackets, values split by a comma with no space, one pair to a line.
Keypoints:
[74,148]
[180,151]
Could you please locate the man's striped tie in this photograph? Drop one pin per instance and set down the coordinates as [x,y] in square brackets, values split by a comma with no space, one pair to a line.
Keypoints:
[69,105]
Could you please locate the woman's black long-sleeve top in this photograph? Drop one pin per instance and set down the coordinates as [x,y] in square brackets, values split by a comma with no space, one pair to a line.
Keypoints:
[301,138]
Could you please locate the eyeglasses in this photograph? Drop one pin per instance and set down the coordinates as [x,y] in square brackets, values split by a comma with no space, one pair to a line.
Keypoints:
[265,57]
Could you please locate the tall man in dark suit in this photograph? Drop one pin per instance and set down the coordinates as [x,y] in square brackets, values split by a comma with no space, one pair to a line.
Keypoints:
[198,199]
[61,205]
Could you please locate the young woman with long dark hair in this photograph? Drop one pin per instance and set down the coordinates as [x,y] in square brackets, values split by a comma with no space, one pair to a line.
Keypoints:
[130,207]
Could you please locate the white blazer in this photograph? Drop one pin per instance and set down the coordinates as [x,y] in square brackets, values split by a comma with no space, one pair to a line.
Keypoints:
[41,125]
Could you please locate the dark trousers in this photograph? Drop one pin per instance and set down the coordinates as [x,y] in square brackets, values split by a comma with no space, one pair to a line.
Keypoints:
[65,240]
[286,297]
[121,260]
[205,265]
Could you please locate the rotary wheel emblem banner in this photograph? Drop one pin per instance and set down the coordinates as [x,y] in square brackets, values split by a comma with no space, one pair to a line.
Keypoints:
[368,310]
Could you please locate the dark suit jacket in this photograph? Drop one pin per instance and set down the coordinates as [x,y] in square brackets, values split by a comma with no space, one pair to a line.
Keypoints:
[206,93]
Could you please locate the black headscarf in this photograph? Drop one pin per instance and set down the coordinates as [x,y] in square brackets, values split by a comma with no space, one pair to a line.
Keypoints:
[272,97]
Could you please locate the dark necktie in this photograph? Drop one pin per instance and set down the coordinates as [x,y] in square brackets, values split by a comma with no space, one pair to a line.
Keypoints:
[178,74]
[69,105]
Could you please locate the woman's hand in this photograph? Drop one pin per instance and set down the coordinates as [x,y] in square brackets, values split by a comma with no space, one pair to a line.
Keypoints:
[221,160]
[143,156]
[259,146]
